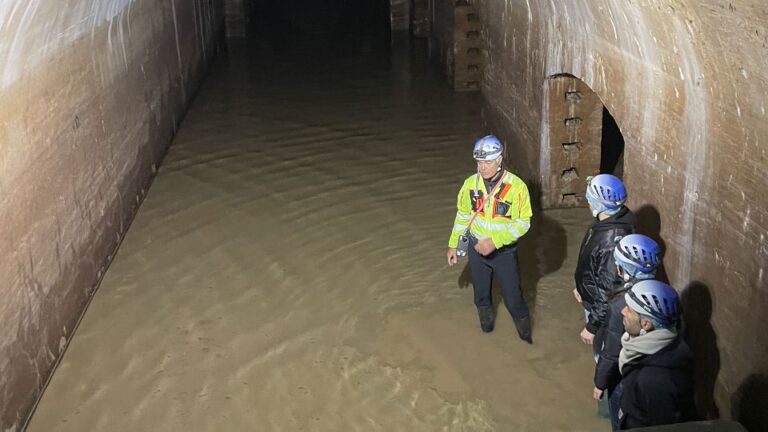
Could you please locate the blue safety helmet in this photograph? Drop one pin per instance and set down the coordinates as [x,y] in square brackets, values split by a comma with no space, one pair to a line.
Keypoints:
[488,148]
[606,193]
[638,256]
[655,300]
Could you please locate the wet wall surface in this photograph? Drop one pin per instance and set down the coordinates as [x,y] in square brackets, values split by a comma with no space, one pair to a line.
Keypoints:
[287,269]
[687,84]
[90,94]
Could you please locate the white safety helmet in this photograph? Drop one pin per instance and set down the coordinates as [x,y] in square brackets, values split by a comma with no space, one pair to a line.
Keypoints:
[488,148]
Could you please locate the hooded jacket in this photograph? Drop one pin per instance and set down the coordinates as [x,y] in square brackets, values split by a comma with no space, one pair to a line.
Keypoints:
[596,273]
[658,389]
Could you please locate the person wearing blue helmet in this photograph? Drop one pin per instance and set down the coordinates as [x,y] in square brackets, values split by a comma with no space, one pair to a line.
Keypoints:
[493,212]
[596,272]
[637,258]
[655,362]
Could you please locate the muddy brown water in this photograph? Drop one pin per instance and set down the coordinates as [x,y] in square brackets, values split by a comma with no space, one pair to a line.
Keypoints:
[286,271]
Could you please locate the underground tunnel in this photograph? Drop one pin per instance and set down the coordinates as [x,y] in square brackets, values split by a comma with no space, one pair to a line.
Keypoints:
[233,214]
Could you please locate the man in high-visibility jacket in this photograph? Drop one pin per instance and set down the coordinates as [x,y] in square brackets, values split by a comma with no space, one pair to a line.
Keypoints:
[493,225]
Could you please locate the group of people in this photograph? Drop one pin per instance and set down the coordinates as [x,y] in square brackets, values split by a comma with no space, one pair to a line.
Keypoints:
[643,366]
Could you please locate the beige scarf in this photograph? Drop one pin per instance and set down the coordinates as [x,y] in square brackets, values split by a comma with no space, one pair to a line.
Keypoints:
[634,347]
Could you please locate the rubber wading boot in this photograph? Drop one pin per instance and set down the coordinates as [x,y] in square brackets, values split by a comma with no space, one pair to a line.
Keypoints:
[486,318]
[523,326]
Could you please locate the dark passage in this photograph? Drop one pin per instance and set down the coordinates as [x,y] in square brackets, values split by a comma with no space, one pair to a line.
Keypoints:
[612,146]
[324,23]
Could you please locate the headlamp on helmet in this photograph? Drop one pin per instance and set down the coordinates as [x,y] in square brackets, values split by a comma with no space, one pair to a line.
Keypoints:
[488,148]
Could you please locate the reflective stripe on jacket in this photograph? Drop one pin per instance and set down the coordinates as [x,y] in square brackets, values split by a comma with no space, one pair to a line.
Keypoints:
[503,219]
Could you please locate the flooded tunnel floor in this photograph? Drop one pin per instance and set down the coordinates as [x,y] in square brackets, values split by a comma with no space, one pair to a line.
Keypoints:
[287,271]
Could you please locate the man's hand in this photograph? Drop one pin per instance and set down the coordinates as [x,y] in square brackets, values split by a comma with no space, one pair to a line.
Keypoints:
[597,393]
[586,336]
[577,295]
[452,257]
[485,247]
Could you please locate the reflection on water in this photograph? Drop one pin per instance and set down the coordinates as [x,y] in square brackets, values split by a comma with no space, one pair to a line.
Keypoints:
[286,271]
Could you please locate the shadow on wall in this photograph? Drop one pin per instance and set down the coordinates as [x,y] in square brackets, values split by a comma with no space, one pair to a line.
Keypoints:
[649,223]
[541,251]
[696,302]
[750,402]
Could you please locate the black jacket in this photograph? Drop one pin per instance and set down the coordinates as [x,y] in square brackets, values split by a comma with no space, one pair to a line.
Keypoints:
[596,272]
[607,374]
[658,389]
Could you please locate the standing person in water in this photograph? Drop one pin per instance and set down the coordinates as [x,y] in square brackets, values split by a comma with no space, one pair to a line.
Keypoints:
[655,363]
[493,212]
[596,272]
[637,258]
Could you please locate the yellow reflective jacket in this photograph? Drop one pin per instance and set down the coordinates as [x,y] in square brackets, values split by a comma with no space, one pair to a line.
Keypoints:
[503,219]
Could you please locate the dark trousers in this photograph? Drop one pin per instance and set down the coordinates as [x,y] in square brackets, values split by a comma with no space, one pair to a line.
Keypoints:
[614,405]
[503,264]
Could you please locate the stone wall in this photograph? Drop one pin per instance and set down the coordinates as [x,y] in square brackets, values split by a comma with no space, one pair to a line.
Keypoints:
[686,82]
[91,93]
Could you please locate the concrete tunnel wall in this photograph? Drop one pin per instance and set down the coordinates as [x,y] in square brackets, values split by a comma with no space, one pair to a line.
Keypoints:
[91,93]
[687,83]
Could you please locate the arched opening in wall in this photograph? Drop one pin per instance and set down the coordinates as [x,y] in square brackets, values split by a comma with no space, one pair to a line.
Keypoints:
[582,139]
